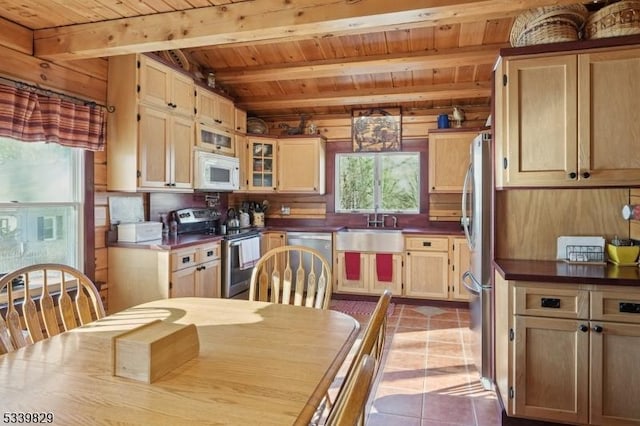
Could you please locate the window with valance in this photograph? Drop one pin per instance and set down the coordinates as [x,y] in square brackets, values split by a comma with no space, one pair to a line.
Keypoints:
[30,117]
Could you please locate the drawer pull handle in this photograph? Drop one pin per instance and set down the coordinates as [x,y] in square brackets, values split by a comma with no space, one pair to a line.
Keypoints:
[547,302]
[186,259]
[630,308]
[210,253]
[426,244]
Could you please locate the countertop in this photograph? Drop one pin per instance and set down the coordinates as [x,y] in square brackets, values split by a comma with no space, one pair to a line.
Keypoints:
[426,230]
[186,240]
[170,243]
[563,272]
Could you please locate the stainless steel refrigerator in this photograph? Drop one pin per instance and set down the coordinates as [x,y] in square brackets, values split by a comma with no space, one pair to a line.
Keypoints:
[476,222]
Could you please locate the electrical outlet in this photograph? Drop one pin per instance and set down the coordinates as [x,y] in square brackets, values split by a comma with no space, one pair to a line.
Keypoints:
[285,211]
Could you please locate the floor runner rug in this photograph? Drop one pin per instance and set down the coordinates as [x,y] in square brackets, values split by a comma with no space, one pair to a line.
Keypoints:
[357,307]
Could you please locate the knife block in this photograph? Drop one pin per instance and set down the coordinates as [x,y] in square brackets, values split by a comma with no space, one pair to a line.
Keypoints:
[149,352]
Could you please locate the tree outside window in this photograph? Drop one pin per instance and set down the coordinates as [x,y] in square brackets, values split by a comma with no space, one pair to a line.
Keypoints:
[378,182]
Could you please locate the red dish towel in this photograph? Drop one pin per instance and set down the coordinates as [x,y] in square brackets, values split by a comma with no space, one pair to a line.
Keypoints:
[384,266]
[352,265]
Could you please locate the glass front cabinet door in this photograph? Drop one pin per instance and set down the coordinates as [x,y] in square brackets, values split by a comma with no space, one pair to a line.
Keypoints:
[263,164]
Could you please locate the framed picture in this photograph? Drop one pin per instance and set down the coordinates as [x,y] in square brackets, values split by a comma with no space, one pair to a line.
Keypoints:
[376,129]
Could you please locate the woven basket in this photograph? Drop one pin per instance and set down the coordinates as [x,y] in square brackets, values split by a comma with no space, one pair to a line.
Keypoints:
[554,30]
[540,24]
[617,19]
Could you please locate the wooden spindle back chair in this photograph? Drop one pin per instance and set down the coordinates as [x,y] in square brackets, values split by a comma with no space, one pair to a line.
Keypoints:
[292,274]
[356,394]
[39,304]
[371,345]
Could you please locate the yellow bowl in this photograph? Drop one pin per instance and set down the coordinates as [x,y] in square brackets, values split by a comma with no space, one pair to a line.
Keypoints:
[623,254]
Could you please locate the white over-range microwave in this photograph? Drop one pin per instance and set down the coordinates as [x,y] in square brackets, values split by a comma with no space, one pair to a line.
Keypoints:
[214,172]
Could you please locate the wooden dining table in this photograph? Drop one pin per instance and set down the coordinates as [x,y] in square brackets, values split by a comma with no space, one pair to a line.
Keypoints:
[258,364]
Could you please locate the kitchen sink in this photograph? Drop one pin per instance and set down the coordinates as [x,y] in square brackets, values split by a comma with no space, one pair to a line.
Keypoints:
[370,240]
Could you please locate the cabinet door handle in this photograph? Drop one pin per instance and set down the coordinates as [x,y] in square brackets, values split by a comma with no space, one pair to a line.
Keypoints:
[586,175]
[630,308]
[583,328]
[597,329]
[573,175]
[547,302]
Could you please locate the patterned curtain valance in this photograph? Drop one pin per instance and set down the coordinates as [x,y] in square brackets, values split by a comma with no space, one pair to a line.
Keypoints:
[29,117]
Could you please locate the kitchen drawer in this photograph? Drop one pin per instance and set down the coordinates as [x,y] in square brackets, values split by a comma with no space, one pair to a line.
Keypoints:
[551,302]
[207,252]
[183,259]
[615,306]
[426,244]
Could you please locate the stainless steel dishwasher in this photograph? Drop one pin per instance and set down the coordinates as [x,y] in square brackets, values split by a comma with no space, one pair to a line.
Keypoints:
[321,241]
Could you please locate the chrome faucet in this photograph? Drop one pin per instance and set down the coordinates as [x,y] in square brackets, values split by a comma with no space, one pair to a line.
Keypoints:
[375,221]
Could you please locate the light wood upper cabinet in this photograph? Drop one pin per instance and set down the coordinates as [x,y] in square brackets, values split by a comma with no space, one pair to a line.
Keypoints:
[301,165]
[242,152]
[165,150]
[240,121]
[287,165]
[214,109]
[569,120]
[541,114]
[164,87]
[608,125]
[448,159]
[262,165]
[149,143]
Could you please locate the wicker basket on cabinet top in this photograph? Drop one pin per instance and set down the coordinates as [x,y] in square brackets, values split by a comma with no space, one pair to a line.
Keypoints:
[614,20]
[549,24]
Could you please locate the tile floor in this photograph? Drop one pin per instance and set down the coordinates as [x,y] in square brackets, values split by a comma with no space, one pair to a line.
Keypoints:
[428,377]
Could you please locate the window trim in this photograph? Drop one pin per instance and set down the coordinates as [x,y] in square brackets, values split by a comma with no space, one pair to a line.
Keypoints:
[82,204]
[377,156]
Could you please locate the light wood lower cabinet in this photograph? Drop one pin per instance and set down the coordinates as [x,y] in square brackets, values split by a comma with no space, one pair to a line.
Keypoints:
[460,261]
[195,271]
[568,353]
[368,281]
[434,266]
[139,275]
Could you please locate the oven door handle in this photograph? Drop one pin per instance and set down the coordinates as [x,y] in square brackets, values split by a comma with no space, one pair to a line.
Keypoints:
[237,242]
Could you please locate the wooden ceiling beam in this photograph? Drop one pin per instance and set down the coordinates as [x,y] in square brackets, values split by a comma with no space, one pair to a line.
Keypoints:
[416,61]
[16,37]
[248,21]
[369,96]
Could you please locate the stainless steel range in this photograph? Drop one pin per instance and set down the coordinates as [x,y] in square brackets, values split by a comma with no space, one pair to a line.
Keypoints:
[235,273]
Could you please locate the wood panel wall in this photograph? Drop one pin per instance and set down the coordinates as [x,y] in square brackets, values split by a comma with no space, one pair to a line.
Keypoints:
[529,221]
[86,79]
[634,225]
[415,123]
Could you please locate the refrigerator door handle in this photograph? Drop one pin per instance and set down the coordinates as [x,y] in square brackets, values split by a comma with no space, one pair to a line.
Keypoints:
[465,220]
[473,288]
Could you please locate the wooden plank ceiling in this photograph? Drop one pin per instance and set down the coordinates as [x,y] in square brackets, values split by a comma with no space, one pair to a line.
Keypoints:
[288,57]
